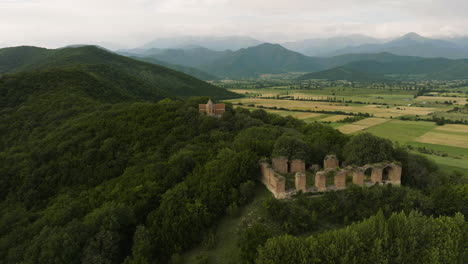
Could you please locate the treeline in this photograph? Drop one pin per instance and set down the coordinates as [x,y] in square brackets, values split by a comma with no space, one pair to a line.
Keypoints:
[436,119]
[401,238]
[311,215]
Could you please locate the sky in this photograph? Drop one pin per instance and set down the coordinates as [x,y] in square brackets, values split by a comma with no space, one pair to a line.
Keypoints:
[131,23]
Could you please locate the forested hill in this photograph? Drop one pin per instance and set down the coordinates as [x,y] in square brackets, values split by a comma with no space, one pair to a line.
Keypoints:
[262,59]
[187,70]
[147,76]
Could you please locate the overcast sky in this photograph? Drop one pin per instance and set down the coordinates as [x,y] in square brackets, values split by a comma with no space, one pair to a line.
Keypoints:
[55,23]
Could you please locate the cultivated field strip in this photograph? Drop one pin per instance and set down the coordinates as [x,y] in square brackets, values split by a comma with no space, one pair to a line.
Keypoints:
[361,125]
[453,140]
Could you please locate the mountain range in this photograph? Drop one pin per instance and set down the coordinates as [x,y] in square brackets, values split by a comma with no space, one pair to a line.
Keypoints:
[325,46]
[209,42]
[413,44]
[410,44]
[270,58]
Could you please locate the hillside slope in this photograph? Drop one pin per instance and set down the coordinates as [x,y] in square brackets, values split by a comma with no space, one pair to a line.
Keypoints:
[162,80]
[199,74]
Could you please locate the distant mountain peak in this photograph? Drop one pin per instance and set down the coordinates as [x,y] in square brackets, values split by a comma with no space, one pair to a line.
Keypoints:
[412,36]
[269,45]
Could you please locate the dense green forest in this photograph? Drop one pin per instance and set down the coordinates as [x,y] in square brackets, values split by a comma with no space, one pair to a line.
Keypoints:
[199,74]
[97,168]
[119,69]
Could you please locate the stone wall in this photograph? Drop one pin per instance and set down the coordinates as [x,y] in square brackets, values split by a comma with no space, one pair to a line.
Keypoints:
[321,181]
[280,164]
[273,181]
[331,162]
[297,166]
[340,179]
[300,180]
[276,183]
[394,172]
[358,176]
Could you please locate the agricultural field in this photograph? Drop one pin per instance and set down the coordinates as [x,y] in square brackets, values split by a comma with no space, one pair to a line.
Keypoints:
[388,109]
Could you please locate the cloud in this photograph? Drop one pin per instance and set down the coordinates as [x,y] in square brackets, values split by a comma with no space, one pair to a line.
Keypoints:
[55,23]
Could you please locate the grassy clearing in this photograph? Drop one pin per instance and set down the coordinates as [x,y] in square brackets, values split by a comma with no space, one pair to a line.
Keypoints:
[453,128]
[349,129]
[450,163]
[402,131]
[454,140]
[224,249]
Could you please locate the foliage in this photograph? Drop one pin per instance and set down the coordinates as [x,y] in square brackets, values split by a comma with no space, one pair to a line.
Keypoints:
[367,149]
[401,238]
[291,147]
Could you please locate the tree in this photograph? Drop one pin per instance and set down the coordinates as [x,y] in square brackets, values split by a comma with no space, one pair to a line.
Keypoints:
[291,148]
[366,148]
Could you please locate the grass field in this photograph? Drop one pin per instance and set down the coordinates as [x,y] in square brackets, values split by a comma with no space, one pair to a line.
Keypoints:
[452,139]
[447,139]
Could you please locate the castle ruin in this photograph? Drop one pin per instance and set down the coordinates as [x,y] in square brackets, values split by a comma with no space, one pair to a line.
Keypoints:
[331,178]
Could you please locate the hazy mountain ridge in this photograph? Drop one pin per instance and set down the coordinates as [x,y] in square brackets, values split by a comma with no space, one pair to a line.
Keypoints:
[412,44]
[209,42]
[324,46]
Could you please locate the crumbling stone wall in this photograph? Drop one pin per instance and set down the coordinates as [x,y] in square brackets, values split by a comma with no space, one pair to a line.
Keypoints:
[340,179]
[358,176]
[300,180]
[280,164]
[331,162]
[276,183]
[273,181]
[394,174]
[297,165]
[376,176]
[321,181]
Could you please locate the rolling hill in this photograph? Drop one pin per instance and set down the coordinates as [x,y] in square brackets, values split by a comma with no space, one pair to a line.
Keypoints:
[199,74]
[193,57]
[429,69]
[153,78]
